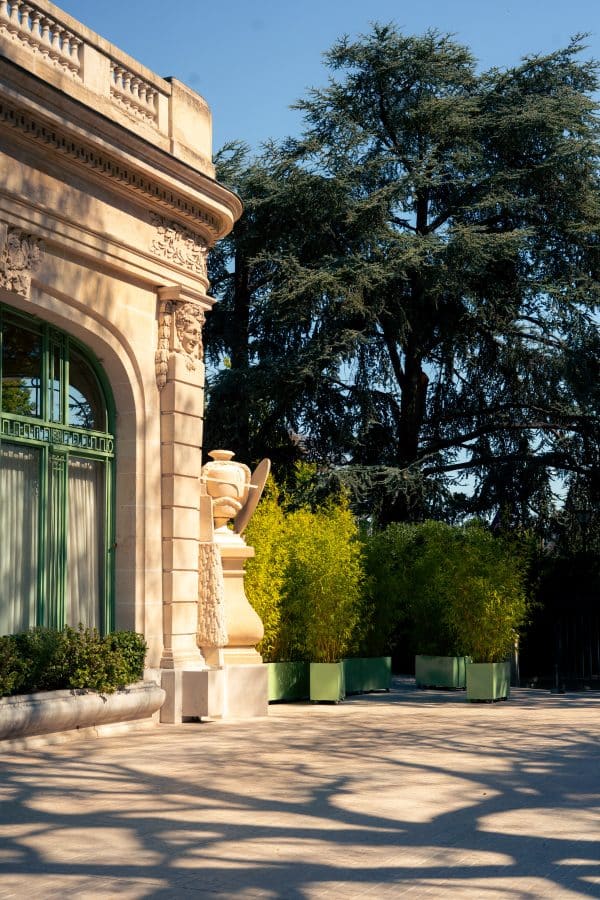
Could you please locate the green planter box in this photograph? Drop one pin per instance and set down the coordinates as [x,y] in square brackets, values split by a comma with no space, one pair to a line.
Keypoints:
[366,674]
[441,672]
[488,681]
[327,682]
[288,681]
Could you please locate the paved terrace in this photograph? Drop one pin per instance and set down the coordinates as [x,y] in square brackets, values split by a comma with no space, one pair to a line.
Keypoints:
[410,793]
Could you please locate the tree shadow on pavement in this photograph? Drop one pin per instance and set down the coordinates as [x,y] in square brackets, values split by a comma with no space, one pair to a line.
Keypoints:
[342,801]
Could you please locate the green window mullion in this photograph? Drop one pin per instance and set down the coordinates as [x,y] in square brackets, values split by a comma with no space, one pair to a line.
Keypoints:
[56,562]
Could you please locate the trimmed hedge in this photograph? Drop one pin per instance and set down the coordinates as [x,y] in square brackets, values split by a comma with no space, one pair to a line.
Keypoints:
[44,659]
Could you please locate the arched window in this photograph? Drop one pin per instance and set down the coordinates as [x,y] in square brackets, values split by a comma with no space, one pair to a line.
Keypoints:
[56,480]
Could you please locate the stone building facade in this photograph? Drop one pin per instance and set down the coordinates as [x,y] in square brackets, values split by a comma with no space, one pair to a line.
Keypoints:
[108,206]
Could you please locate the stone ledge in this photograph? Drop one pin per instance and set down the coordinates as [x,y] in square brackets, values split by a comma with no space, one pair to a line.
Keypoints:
[47,712]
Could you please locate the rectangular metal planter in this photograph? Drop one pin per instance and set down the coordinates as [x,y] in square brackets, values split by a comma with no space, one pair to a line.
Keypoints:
[372,673]
[488,681]
[441,672]
[288,681]
[327,682]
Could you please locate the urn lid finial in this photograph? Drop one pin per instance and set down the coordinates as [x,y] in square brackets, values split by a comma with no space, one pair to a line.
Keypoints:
[221,454]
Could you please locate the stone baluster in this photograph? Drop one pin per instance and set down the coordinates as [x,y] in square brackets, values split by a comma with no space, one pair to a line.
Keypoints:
[73,44]
[45,37]
[151,98]
[65,49]
[126,95]
[35,30]
[4,15]
[14,22]
[135,90]
[118,79]
[26,11]
[55,48]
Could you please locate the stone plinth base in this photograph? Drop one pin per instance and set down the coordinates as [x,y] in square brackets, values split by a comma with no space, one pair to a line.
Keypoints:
[241,656]
[247,691]
[236,692]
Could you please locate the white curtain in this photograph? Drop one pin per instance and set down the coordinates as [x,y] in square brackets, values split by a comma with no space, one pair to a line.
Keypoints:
[19,503]
[85,554]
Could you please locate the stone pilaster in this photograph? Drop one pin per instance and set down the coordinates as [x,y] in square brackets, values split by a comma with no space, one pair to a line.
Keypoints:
[180,377]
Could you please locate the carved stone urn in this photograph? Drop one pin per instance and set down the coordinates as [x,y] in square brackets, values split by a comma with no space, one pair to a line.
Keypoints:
[228,484]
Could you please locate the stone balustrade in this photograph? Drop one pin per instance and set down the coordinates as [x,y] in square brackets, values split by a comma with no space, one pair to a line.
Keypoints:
[43,34]
[56,39]
[42,39]
[133,92]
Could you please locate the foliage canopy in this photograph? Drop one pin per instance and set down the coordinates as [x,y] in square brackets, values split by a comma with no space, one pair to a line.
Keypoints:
[410,296]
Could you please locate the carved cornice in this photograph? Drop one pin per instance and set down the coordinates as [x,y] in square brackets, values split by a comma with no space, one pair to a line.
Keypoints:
[20,255]
[122,172]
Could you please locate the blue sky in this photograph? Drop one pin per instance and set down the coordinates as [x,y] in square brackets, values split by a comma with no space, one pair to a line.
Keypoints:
[251,60]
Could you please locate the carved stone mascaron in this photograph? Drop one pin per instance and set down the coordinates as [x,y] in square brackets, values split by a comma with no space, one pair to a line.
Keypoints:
[179,332]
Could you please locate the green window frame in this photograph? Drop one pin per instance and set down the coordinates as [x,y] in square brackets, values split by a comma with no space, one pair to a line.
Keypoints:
[61,415]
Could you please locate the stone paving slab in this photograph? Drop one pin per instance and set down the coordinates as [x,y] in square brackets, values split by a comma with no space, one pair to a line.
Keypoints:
[413,794]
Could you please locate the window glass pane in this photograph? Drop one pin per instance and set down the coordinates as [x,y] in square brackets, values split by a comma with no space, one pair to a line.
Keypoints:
[19,490]
[86,403]
[86,547]
[21,371]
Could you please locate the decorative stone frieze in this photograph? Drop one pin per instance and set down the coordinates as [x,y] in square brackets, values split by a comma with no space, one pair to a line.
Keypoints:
[179,245]
[20,255]
[180,325]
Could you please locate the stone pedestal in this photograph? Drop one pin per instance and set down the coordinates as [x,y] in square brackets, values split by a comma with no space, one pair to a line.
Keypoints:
[244,627]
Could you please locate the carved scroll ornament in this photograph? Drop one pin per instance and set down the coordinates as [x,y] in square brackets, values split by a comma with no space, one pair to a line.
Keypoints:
[20,255]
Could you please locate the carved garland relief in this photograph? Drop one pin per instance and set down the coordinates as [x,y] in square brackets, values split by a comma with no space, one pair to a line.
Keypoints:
[178,244]
[20,255]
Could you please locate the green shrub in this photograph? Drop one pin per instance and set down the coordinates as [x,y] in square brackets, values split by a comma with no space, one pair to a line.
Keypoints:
[444,590]
[488,595]
[405,596]
[324,582]
[306,579]
[265,573]
[12,667]
[44,659]
[128,654]
[44,653]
